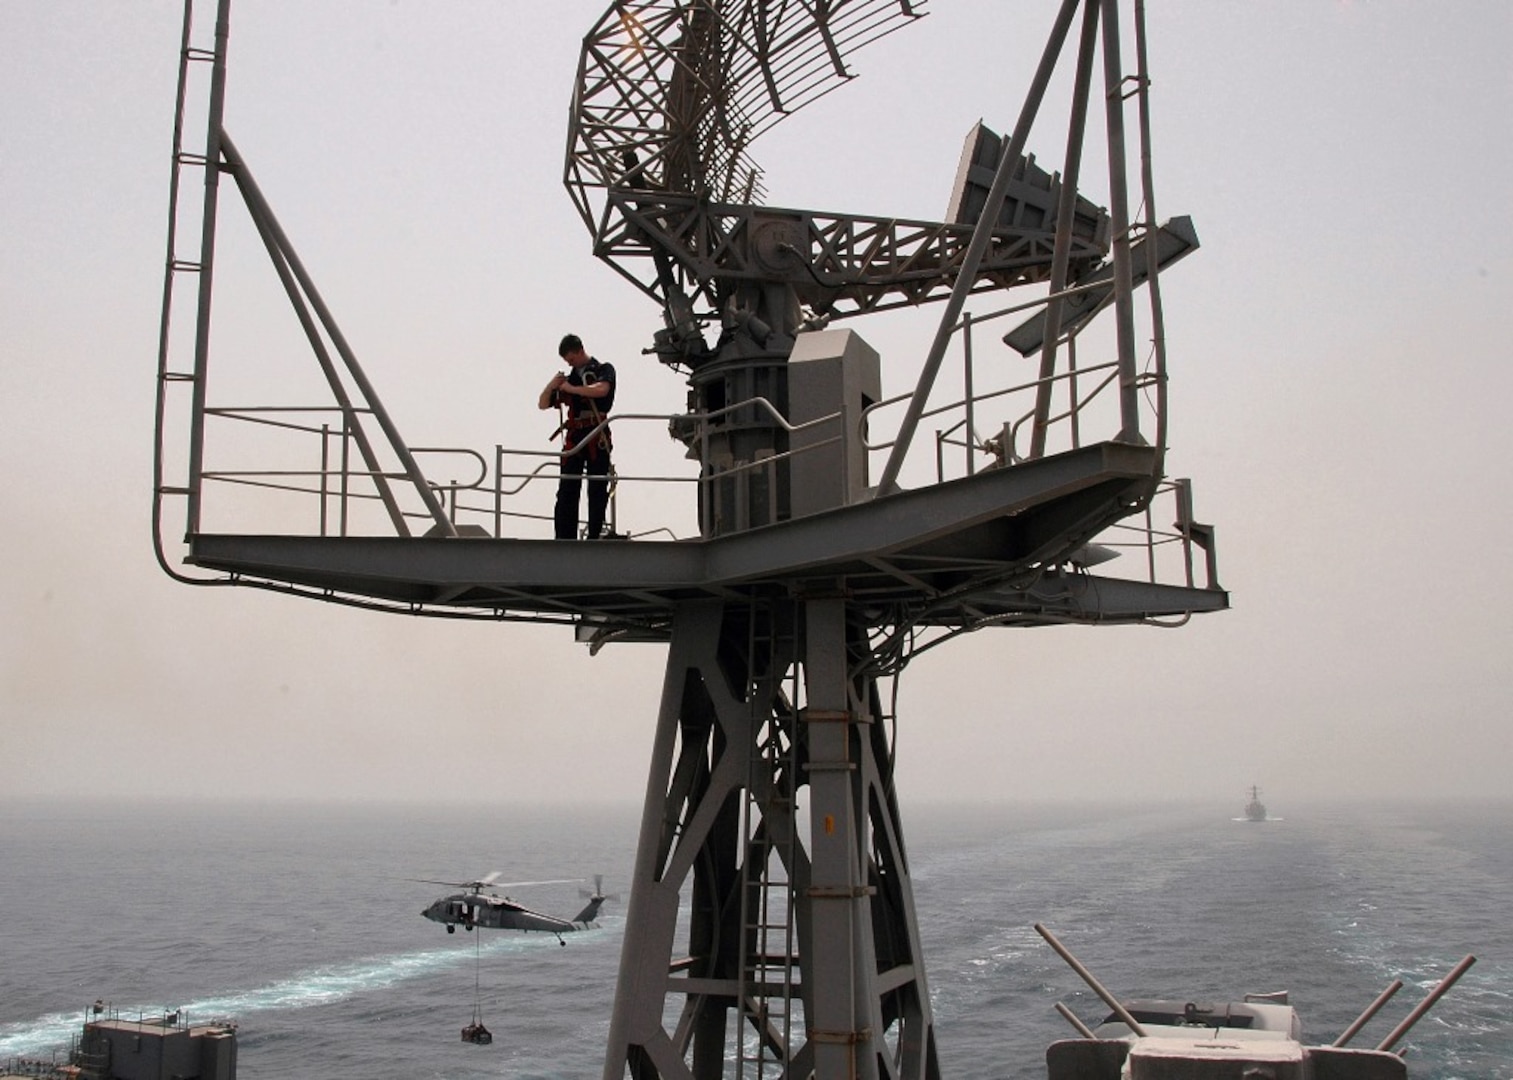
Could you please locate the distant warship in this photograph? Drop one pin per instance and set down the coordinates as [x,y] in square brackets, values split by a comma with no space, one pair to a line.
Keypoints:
[1255,810]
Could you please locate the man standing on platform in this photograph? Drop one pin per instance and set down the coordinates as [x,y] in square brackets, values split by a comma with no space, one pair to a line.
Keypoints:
[586,393]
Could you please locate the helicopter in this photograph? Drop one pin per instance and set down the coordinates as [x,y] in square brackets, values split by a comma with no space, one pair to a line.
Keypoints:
[478,905]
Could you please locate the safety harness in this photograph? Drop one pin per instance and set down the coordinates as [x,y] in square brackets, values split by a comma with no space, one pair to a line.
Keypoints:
[571,422]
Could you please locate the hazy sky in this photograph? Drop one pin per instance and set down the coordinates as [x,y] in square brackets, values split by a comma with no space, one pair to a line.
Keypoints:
[1338,351]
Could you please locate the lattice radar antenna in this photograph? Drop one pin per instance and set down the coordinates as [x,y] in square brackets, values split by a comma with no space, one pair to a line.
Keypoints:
[771,832]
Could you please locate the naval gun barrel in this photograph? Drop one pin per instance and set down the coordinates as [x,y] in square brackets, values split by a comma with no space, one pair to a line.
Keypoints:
[1428,1003]
[1087,977]
[1371,1010]
[1071,1018]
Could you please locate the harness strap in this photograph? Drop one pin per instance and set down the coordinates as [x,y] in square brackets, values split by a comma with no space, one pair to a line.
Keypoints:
[581,421]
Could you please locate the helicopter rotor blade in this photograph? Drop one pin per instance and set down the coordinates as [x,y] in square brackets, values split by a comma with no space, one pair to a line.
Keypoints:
[492,882]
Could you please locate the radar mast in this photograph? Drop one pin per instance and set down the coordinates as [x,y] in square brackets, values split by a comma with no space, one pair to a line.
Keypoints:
[771,926]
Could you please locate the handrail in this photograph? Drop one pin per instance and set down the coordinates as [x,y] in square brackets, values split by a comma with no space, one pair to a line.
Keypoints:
[698,425]
[680,418]
[954,405]
[483,466]
[1071,412]
[303,294]
[499,488]
[273,416]
[235,412]
[1124,536]
[963,431]
[274,479]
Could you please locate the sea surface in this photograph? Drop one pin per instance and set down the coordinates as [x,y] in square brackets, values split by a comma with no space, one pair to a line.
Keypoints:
[300,923]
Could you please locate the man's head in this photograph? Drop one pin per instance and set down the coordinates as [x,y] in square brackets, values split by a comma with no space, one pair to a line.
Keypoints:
[571,350]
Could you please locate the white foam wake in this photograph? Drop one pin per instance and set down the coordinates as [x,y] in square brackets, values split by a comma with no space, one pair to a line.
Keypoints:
[317,986]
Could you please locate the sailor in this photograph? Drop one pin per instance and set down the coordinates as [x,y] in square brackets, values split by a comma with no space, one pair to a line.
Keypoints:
[585,393]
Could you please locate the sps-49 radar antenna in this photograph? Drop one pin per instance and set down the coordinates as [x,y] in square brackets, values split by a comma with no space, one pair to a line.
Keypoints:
[771,837]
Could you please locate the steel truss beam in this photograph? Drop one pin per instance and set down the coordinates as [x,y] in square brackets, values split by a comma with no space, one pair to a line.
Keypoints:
[802,955]
[839,264]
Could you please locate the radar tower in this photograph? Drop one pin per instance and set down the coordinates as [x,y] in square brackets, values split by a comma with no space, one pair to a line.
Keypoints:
[771,929]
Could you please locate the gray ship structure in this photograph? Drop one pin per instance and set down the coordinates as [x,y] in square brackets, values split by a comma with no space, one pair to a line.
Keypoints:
[111,1046]
[845,524]
[1257,1038]
[1255,809]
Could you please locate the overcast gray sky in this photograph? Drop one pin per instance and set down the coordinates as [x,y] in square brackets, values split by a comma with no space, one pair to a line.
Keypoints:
[1338,353]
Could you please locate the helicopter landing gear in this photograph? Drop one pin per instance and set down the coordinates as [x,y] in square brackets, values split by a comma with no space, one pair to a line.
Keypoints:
[451,929]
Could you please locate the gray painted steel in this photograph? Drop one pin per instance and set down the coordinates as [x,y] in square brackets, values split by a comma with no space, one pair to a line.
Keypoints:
[947,550]
[752,793]
[1174,240]
[770,829]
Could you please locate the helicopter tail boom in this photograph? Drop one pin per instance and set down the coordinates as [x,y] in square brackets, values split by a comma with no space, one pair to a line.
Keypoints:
[591,912]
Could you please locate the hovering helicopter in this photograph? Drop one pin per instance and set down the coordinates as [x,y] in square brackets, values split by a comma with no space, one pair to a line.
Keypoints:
[479,906]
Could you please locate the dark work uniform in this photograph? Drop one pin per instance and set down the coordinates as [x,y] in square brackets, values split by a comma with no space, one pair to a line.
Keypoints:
[585,414]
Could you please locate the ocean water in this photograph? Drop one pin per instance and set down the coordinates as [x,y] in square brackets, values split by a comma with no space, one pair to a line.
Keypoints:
[299,923]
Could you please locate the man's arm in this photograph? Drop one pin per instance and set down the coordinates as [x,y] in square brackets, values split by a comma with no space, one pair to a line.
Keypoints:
[548,396]
[597,390]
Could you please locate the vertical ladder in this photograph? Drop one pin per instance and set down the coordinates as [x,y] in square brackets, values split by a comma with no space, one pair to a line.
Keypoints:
[205,157]
[215,155]
[764,1006]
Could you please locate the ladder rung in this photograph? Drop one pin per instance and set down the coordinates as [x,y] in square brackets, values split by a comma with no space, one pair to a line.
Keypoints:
[184,157]
[178,376]
[192,53]
[186,266]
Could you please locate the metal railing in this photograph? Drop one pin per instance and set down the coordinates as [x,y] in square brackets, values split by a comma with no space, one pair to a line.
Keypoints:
[483,501]
[339,484]
[1004,448]
[1088,412]
[333,480]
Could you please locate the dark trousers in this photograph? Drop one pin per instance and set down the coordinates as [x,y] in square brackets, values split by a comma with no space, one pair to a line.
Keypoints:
[595,462]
